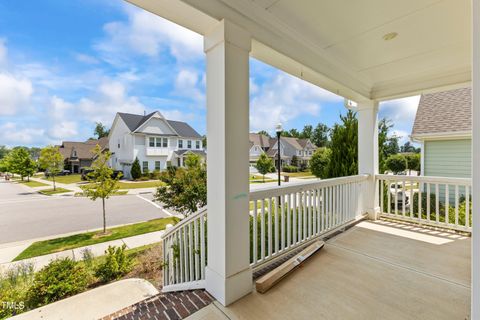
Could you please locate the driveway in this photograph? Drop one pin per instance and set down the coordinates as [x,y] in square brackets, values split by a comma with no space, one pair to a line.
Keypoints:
[25,214]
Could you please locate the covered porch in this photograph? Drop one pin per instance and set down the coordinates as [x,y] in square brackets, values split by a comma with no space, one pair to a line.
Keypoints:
[367,52]
[375,270]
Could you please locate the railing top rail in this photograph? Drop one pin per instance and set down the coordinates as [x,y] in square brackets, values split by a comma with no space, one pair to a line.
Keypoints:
[297,187]
[185,221]
[440,180]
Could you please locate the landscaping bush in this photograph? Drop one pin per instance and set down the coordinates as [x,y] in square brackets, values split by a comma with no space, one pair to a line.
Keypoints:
[14,284]
[136,171]
[289,169]
[155,175]
[303,167]
[116,264]
[59,279]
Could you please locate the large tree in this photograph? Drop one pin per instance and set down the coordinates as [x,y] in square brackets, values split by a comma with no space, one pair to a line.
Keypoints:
[51,160]
[320,135]
[101,184]
[306,132]
[344,146]
[409,148]
[396,163]
[100,130]
[265,133]
[320,161]
[185,189]
[3,152]
[264,165]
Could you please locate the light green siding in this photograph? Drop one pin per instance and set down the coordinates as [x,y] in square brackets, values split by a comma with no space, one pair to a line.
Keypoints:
[448,158]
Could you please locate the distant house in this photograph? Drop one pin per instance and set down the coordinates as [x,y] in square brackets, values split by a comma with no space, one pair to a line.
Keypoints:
[303,149]
[154,140]
[443,126]
[78,155]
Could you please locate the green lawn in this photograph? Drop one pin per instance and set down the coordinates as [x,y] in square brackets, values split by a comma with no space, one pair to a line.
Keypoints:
[118,193]
[297,174]
[40,248]
[261,181]
[49,192]
[140,184]
[32,183]
[71,178]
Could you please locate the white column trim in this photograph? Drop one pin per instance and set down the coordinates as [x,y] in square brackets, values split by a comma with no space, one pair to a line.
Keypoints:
[475,253]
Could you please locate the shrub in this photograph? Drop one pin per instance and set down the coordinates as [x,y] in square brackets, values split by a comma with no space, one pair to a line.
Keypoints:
[116,264]
[59,279]
[319,162]
[303,167]
[13,287]
[155,175]
[136,171]
[289,169]
[396,163]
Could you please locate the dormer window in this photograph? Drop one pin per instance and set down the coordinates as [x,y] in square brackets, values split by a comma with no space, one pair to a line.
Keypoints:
[74,154]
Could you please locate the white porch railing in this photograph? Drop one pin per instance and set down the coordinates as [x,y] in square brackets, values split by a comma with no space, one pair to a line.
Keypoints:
[436,201]
[288,217]
[281,219]
[184,254]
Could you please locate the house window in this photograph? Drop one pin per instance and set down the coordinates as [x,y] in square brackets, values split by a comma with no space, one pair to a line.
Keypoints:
[165,142]
[145,166]
[180,144]
[157,165]
[151,142]
[118,143]
[189,144]
[197,144]
[74,153]
[158,142]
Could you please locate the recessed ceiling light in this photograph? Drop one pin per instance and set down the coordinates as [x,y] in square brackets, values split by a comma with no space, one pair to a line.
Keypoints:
[390,36]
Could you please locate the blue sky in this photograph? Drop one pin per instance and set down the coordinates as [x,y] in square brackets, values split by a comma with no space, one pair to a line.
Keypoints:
[66,64]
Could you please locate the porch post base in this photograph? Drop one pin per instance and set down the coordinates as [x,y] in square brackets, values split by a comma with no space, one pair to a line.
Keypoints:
[230,289]
[373,213]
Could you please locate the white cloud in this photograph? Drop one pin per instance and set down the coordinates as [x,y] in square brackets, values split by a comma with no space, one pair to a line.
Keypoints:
[400,110]
[187,84]
[12,135]
[283,99]
[59,108]
[177,115]
[147,34]
[63,129]
[15,93]
[85,58]
[111,97]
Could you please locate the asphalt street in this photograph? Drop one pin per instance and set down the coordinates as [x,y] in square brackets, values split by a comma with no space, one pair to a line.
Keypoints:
[25,214]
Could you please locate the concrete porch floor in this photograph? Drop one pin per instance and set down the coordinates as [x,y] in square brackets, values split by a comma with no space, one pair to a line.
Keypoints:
[375,270]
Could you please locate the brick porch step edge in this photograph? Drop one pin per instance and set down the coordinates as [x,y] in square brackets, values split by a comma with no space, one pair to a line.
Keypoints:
[165,306]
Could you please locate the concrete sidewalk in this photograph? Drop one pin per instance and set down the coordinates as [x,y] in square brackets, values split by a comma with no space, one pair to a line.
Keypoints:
[96,303]
[76,254]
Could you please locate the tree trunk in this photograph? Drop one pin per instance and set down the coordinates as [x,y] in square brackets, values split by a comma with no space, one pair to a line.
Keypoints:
[53,179]
[104,217]
[263,176]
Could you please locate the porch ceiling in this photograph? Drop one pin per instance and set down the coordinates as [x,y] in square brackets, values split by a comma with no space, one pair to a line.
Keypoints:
[339,45]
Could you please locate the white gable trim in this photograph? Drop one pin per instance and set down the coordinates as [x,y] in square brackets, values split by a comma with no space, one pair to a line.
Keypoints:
[442,136]
[156,115]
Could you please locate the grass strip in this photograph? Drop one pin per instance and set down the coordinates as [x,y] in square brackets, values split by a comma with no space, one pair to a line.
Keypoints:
[49,192]
[40,248]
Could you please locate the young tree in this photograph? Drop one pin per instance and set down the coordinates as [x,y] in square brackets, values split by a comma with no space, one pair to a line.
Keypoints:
[20,162]
[29,167]
[101,182]
[294,161]
[413,161]
[344,146]
[396,163]
[3,152]
[320,135]
[136,171]
[320,161]
[186,188]
[100,130]
[264,165]
[52,161]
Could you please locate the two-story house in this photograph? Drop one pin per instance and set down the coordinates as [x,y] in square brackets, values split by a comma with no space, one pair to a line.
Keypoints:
[154,140]
[303,149]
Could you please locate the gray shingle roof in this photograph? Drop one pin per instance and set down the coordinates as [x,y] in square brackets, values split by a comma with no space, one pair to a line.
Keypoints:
[444,112]
[133,121]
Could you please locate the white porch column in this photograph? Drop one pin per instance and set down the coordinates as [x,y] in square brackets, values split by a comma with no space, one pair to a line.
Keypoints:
[475,255]
[368,153]
[228,274]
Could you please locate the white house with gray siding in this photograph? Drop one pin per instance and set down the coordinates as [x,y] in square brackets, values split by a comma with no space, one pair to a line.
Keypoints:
[443,128]
[154,140]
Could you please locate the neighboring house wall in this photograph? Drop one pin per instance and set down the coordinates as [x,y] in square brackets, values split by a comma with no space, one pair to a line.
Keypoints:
[448,158]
